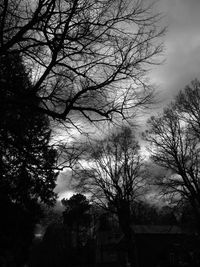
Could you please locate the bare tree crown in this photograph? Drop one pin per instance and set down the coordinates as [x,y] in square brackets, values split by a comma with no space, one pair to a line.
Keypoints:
[174,139]
[85,57]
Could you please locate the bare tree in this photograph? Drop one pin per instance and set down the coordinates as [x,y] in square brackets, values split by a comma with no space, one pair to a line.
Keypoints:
[86,57]
[188,105]
[175,146]
[113,177]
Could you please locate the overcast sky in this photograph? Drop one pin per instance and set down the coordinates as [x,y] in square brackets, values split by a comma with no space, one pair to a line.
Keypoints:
[182,46]
[182,56]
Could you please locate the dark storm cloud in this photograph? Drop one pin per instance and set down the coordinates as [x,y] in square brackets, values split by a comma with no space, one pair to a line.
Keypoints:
[182,46]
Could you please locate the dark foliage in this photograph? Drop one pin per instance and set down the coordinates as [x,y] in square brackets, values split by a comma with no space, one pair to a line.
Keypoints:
[76,212]
[24,140]
[147,214]
[27,162]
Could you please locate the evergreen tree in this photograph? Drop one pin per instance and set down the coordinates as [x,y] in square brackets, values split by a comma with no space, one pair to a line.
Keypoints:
[77,217]
[27,162]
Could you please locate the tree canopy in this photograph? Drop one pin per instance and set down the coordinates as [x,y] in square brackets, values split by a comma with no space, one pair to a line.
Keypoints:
[112,175]
[27,162]
[87,57]
[112,169]
[76,210]
[174,139]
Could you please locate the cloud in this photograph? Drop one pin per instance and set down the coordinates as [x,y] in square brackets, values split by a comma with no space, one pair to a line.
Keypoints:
[182,54]
[63,187]
[182,47]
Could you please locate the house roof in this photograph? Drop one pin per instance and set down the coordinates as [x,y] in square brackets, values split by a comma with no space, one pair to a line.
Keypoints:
[157,229]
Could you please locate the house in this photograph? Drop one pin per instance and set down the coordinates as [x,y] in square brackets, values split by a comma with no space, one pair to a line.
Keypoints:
[157,246]
[164,245]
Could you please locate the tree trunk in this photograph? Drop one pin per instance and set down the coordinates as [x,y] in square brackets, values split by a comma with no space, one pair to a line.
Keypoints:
[196,209]
[129,235]
[131,246]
